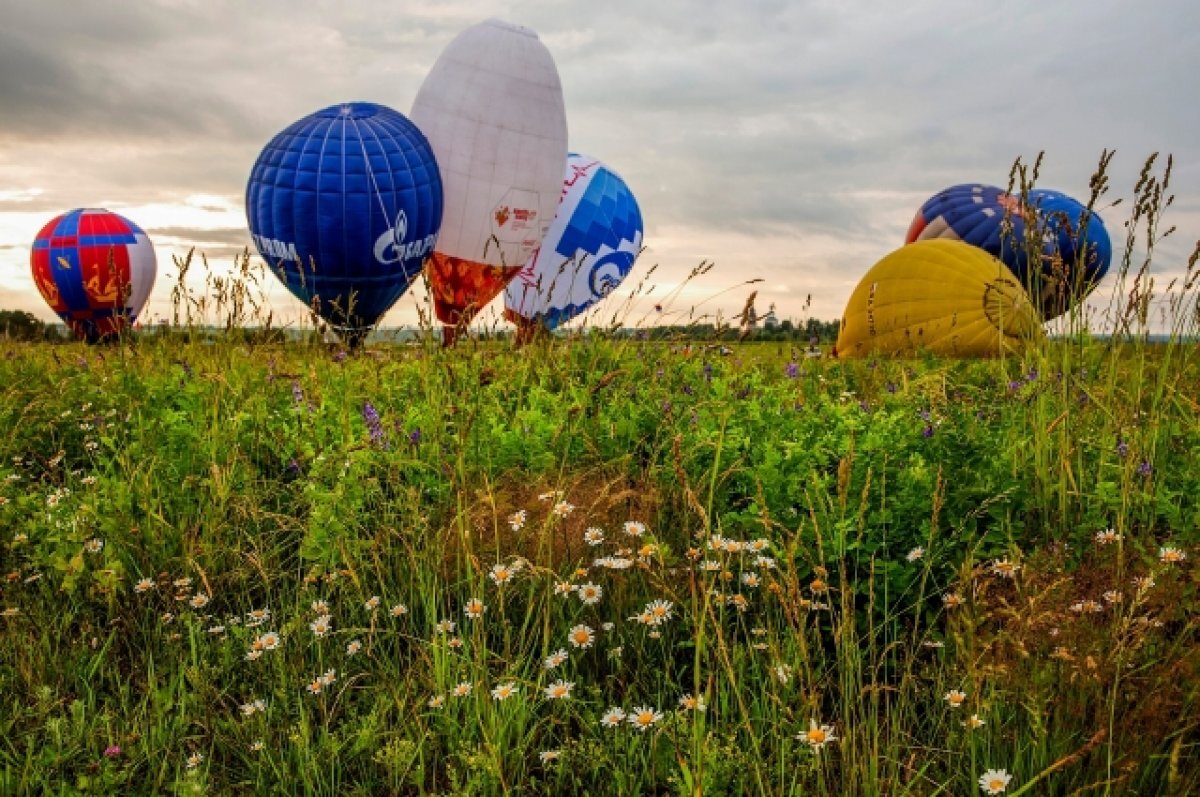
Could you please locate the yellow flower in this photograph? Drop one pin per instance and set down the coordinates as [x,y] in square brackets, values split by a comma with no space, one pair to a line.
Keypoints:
[994,781]
[581,636]
[644,718]
[817,735]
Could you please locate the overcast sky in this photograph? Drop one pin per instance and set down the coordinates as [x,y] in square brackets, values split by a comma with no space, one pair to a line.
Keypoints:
[788,141]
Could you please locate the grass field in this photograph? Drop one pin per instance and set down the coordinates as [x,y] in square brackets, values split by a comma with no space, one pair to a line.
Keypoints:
[601,566]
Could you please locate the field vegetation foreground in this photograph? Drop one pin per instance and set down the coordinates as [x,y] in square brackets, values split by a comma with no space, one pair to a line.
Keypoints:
[604,565]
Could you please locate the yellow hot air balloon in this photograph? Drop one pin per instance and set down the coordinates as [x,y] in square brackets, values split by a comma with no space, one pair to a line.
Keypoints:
[941,296]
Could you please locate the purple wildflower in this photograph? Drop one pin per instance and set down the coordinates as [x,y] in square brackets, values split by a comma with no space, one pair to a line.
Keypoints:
[708,371]
[340,356]
[1144,469]
[374,426]
[414,437]
[297,392]
[112,751]
[793,370]
[927,432]
[1122,448]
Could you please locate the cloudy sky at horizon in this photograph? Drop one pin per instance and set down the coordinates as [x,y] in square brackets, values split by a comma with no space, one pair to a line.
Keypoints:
[785,141]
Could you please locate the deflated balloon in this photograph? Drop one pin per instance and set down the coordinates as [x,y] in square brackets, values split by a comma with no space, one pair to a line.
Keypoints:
[590,248]
[946,297]
[345,206]
[492,108]
[95,269]
[1069,244]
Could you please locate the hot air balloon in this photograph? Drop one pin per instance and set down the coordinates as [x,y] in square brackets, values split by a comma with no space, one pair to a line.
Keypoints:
[492,108]
[345,206]
[946,297]
[976,214]
[590,248]
[95,269]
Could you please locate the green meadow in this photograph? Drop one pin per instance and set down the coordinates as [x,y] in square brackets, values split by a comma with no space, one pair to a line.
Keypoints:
[602,565]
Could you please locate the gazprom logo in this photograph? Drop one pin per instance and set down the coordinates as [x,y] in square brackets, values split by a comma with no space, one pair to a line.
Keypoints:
[391,246]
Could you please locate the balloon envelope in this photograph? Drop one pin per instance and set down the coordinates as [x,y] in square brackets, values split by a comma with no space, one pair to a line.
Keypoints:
[976,214]
[946,297]
[492,108]
[590,248]
[345,205]
[95,269]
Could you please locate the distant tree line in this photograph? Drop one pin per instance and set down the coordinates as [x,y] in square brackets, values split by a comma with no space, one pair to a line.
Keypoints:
[825,332]
[22,325]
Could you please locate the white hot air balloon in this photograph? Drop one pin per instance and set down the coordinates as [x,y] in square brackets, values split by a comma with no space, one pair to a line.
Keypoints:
[492,109]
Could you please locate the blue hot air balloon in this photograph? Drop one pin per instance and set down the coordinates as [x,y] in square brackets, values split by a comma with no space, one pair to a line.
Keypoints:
[589,249]
[345,205]
[976,214]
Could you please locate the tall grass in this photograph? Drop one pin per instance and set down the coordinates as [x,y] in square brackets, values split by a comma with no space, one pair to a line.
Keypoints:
[881,577]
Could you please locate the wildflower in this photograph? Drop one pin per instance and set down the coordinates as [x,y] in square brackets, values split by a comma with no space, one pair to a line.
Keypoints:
[321,626]
[320,607]
[354,647]
[782,673]
[644,718]
[1107,536]
[708,565]
[994,781]
[935,644]
[634,528]
[89,480]
[1145,468]
[972,722]
[915,554]
[1112,596]
[11,611]
[563,508]
[817,736]
[437,701]
[955,698]
[613,717]
[952,600]
[1169,554]
[502,574]
[818,585]
[216,629]
[764,562]
[399,610]
[593,536]
[690,703]
[792,370]
[563,588]
[555,659]
[94,545]
[166,617]
[1143,583]
[751,579]
[589,593]
[463,689]
[660,611]
[608,626]
[454,643]
[254,654]
[1089,606]
[474,609]
[256,746]
[194,760]
[1005,568]
[182,583]
[581,636]
[548,756]
[613,562]
[253,707]
[143,585]
[552,495]
[372,603]
[374,425]
[112,751]
[268,641]
[516,521]
[256,617]
[559,690]
[504,691]
[739,602]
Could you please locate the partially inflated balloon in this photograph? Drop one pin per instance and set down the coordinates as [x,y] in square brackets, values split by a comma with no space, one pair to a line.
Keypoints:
[492,108]
[95,269]
[977,214]
[589,250]
[945,297]
[345,206]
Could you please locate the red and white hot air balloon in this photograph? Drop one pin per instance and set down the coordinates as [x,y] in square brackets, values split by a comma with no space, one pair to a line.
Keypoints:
[492,109]
[95,269]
